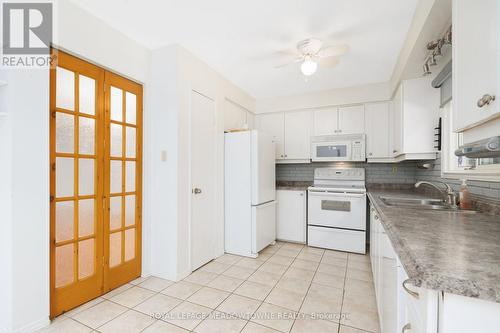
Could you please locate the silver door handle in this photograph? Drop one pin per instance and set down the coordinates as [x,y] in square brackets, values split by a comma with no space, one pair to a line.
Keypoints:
[487,99]
[406,328]
[411,292]
[197,190]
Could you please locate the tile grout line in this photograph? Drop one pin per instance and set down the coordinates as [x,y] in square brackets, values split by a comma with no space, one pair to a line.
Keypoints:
[302,303]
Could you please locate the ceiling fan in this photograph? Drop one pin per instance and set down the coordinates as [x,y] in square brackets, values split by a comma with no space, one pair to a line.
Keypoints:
[311,53]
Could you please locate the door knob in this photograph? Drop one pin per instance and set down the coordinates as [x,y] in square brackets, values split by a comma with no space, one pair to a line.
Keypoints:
[197,190]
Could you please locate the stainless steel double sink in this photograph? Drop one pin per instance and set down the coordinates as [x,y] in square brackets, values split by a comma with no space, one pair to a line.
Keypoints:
[426,203]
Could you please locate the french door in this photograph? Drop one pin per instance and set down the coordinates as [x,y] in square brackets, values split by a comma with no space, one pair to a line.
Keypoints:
[95,181]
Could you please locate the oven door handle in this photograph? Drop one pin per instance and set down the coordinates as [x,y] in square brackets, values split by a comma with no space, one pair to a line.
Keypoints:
[336,194]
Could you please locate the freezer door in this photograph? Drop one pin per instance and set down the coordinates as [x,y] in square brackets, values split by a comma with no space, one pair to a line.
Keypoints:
[263,225]
[263,168]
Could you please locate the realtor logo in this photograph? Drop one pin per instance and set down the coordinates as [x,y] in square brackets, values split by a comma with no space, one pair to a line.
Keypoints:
[27,28]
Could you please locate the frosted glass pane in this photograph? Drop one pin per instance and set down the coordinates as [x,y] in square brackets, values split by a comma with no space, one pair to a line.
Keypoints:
[130,105]
[64,265]
[85,217]
[87,95]
[130,141]
[86,135]
[65,133]
[64,177]
[129,244]
[115,249]
[116,177]
[116,140]
[86,258]
[129,210]
[115,213]
[130,176]
[86,176]
[116,104]
[65,89]
[65,213]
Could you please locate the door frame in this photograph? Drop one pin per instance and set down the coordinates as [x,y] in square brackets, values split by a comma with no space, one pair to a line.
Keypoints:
[190,168]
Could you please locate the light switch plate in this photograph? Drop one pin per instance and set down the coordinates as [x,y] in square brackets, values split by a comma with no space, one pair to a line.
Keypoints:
[163,155]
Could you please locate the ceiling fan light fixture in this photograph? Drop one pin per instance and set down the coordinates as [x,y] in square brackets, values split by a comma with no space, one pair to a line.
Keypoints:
[308,66]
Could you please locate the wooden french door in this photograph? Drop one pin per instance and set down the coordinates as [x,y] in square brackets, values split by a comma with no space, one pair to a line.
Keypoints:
[95,181]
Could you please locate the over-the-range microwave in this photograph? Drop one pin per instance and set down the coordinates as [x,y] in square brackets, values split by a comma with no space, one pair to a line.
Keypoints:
[338,148]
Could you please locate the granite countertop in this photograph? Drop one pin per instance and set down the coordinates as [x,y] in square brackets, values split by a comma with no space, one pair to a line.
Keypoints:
[293,185]
[445,251]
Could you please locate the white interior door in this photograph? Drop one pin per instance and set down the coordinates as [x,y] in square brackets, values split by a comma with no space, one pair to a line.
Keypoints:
[203,174]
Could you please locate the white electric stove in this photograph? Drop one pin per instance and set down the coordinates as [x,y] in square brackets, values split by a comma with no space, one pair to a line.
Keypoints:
[337,210]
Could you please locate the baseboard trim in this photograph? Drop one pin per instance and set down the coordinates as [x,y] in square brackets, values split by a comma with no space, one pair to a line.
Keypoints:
[32,327]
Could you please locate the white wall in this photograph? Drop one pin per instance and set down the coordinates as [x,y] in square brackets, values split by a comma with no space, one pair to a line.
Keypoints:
[352,95]
[26,164]
[170,104]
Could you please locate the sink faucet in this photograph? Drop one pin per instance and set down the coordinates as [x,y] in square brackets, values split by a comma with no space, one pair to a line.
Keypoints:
[449,196]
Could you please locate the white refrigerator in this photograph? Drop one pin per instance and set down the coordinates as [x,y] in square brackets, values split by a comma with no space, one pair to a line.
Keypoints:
[249,192]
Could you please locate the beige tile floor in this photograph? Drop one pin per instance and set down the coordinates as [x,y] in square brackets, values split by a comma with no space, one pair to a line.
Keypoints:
[288,288]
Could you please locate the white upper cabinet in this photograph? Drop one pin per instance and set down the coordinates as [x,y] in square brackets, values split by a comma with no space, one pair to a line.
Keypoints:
[291,133]
[339,120]
[397,123]
[298,135]
[273,124]
[476,62]
[352,119]
[326,121]
[378,139]
[415,114]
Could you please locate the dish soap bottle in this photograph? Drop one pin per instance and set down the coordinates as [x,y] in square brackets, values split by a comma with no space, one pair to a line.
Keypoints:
[464,196]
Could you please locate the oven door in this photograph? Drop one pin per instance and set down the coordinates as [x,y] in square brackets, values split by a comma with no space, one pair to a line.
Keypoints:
[331,151]
[337,210]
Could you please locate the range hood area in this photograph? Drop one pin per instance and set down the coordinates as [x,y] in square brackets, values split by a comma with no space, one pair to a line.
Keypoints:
[486,148]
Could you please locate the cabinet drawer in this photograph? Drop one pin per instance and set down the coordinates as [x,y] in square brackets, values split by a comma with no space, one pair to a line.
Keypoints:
[338,239]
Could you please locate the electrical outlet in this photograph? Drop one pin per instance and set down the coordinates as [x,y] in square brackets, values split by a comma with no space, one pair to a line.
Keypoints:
[163,155]
[394,169]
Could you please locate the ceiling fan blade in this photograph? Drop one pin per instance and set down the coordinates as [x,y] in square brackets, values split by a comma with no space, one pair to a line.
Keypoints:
[296,60]
[328,62]
[334,50]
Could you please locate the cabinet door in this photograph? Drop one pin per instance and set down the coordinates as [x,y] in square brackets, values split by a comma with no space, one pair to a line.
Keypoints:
[397,122]
[291,216]
[377,130]
[476,26]
[325,122]
[273,124]
[297,135]
[389,285]
[352,119]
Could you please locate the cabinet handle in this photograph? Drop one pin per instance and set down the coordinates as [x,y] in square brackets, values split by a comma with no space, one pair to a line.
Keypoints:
[340,131]
[411,292]
[376,217]
[406,328]
[370,154]
[394,151]
[286,155]
[301,194]
[281,155]
[487,99]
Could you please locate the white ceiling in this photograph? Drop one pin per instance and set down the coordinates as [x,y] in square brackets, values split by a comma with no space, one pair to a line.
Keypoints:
[240,38]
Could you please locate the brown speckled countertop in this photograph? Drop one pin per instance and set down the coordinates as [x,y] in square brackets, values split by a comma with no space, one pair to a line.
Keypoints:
[293,185]
[451,252]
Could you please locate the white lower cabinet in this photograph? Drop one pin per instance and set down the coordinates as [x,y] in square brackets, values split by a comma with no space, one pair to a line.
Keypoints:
[399,309]
[291,216]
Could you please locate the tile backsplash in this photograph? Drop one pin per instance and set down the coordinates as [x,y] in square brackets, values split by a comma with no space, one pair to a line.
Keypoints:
[485,189]
[387,173]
